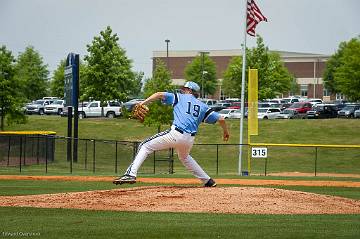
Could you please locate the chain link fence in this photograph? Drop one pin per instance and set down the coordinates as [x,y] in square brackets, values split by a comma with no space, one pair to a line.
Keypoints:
[39,154]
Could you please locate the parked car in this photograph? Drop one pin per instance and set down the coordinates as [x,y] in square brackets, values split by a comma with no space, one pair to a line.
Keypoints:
[301,107]
[348,111]
[322,111]
[290,114]
[340,106]
[209,102]
[50,98]
[129,105]
[268,113]
[357,114]
[315,101]
[81,105]
[235,114]
[94,109]
[235,105]
[37,107]
[277,101]
[290,100]
[219,106]
[56,107]
[264,104]
[226,113]
[231,100]
[276,105]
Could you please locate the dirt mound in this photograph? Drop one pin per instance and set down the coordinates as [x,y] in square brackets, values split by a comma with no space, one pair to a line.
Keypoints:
[242,200]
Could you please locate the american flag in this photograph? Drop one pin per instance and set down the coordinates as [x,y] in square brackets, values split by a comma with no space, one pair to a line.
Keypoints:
[254,16]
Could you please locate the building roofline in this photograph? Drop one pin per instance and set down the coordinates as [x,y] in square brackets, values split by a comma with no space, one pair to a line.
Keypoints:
[235,52]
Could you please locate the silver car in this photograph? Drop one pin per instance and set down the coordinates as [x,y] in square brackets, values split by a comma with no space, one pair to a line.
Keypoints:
[348,111]
[37,107]
[268,113]
[357,114]
[290,114]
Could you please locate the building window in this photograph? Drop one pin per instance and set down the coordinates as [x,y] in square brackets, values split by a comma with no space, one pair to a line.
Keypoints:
[340,96]
[326,92]
[304,90]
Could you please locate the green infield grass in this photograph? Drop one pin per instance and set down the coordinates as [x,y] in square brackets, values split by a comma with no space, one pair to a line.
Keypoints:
[66,223]
[27,187]
[70,223]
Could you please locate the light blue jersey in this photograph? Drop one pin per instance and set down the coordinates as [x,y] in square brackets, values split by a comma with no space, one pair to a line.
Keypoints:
[189,112]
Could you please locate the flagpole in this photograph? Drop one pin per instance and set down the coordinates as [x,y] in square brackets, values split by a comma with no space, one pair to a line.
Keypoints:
[243,89]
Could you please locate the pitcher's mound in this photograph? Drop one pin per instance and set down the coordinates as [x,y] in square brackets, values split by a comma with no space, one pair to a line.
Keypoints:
[244,200]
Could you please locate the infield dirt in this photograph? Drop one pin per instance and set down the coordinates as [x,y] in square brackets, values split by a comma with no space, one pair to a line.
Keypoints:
[237,200]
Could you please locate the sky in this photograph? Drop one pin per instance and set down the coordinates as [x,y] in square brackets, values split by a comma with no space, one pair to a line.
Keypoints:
[56,27]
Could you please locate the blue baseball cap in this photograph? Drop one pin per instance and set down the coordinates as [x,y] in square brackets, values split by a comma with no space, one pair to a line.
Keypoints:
[192,86]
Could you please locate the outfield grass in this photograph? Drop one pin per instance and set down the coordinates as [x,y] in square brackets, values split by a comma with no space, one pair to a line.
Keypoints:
[280,159]
[65,223]
[320,131]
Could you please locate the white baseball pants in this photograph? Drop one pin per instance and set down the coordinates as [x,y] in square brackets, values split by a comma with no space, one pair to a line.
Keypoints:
[181,142]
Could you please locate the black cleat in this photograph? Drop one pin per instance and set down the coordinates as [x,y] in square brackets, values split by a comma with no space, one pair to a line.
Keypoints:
[125,179]
[210,183]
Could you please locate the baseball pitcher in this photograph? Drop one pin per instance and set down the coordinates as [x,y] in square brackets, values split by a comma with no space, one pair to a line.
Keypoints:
[188,112]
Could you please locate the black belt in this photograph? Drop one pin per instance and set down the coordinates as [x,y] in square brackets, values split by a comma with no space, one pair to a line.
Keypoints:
[182,131]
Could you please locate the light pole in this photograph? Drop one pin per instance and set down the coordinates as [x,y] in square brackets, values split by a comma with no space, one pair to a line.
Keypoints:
[167,53]
[202,71]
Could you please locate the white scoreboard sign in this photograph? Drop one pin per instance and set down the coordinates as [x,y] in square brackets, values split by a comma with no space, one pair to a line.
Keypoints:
[259,152]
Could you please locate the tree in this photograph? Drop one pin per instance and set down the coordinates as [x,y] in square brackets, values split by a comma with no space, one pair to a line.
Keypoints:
[32,73]
[342,72]
[202,71]
[136,86]
[274,78]
[161,81]
[108,74]
[11,99]
[231,83]
[58,80]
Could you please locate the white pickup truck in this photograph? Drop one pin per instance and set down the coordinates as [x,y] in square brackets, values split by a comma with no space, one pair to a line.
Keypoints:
[93,109]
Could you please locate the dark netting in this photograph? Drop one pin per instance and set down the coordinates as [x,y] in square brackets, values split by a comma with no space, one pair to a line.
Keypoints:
[23,150]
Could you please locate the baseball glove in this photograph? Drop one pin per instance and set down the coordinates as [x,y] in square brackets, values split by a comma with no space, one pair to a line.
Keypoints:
[140,111]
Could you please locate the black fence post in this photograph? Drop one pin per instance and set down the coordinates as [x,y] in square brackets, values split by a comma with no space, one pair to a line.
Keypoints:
[46,153]
[217,159]
[69,134]
[134,149]
[116,157]
[9,149]
[53,145]
[24,149]
[154,156]
[32,142]
[316,153]
[70,162]
[86,152]
[20,152]
[171,169]
[94,152]
[265,166]
[37,149]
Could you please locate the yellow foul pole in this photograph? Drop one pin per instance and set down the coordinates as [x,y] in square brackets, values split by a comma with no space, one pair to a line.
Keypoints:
[253,126]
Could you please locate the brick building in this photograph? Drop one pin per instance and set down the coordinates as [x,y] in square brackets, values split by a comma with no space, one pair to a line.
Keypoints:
[307,68]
